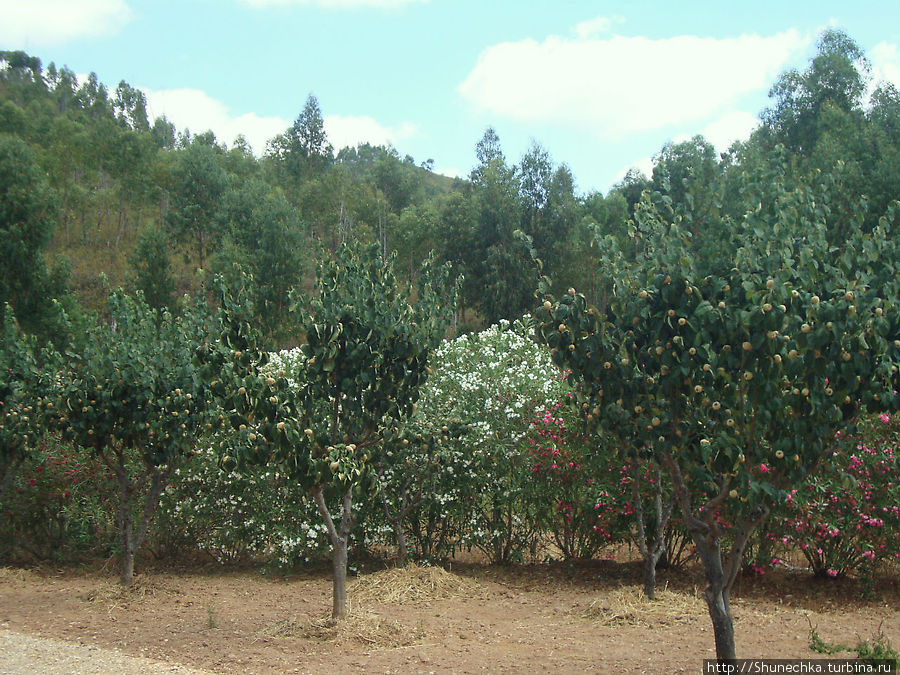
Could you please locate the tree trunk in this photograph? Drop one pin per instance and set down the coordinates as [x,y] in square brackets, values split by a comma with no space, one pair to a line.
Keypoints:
[400,536]
[723,624]
[650,551]
[717,594]
[126,530]
[339,583]
[650,573]
[339,534]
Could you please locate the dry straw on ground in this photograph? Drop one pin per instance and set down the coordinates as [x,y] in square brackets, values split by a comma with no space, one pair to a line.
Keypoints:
[361,627]
[114,596]
[629,605]
[412,585]
[10,575]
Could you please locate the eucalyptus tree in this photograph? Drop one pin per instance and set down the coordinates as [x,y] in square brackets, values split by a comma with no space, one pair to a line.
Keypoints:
[303,151]
[198,183]
[262,235]
[28,210]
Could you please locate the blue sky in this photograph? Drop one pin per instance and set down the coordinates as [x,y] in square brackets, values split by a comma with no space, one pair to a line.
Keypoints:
[601,85]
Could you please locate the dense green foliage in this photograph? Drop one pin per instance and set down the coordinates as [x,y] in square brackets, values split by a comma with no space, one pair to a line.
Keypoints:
[23,388]
[132,397]
[365,359]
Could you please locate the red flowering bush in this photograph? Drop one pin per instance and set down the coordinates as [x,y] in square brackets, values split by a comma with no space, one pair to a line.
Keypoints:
[577,490]
[59,506]
[846,517]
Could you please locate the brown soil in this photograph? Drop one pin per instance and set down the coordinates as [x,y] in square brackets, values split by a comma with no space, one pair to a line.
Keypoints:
[548,618]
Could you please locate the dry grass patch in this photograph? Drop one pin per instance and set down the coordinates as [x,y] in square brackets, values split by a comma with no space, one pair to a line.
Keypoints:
[412,585]
[628,605]
[361,627]
[15,575]
[114,594]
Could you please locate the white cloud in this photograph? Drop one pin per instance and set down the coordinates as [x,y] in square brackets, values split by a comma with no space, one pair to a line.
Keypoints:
[644,165]
[736,125]
[31,23]
[349,131]
[596,26]
[333,4]
[885,60]
[195,110]
[623,85]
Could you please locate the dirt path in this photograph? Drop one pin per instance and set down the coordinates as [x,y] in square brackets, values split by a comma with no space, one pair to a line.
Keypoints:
[501,621]
[25,655]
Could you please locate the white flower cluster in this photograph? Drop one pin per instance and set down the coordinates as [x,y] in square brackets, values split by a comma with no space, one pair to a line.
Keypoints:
[289,361]
[496,382]
[251,514]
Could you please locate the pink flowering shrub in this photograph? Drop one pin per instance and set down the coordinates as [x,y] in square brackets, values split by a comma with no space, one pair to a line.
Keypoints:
[846,517]
[578,492]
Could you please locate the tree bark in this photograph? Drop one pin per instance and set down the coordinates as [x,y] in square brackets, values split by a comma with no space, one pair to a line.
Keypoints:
[339,583]
[339,534]
[400,535]
[716,595]
[126,529]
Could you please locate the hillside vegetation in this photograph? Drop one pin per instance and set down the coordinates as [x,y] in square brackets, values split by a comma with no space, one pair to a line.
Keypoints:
[114,198]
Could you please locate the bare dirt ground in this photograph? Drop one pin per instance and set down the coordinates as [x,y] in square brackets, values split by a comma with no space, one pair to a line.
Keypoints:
[474,618]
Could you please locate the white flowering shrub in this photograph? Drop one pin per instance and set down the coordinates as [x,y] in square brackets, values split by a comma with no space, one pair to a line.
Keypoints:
[256,513]
[235,516]
[497,381]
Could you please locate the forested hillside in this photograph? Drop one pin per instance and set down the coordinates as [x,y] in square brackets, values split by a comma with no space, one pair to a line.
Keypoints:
[91,189]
